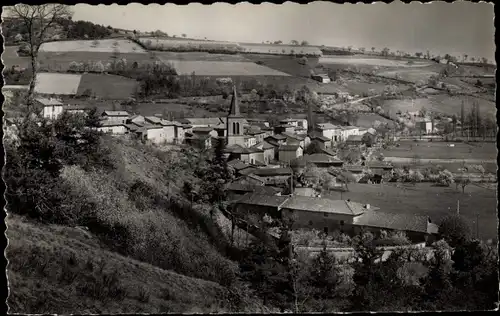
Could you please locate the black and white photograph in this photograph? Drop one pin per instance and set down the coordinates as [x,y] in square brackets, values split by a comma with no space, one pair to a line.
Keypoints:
[249,158]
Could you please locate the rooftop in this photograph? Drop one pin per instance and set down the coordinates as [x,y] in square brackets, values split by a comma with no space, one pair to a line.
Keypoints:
[153,119]
[262,200]
[115,113]
[327,126]
[268,172]
[292,135]
[277,137]
[238,164]
[208,121]
[289,147]
[314,204]
[46,101]
[202,129]
[321,158]
[396,221]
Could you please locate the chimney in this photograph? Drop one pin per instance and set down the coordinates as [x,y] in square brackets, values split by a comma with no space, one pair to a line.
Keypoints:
[348,200]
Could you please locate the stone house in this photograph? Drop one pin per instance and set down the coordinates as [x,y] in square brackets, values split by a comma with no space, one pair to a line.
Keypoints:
[115,116]
[287,153]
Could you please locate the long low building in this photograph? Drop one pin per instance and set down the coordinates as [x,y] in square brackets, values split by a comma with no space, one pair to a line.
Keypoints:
[334,215]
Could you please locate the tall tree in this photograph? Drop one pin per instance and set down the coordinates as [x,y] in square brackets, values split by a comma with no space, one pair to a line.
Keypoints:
[38,21]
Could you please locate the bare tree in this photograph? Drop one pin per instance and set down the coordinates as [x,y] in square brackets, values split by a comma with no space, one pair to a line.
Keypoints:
[294,42]
[37,20]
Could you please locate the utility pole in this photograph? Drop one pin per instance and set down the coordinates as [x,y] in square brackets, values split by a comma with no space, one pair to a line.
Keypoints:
[458,207]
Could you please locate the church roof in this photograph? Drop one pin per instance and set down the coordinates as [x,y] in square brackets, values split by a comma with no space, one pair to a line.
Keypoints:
[234,109]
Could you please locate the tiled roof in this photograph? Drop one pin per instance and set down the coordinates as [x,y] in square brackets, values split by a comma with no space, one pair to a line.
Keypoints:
[115,113]
[45,101]
[257,189]
[202,129]
[321,158]
[209,121]
[237,149]
[277,137]
[238,164]
[289,147]
[405,222]
[111,123]
[295,136]
[325,126]
[248,171]
[314,204]
[328,152]
[268,172]
[153,119]
[262,200]
[321,138]
[132,127]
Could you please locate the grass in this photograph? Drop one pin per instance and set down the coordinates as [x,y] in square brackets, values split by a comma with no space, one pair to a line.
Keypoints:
[280,49]
[200,56]
[10,58]
[450,166]
[420,74]
[436,202]
[107,86]
[55,83]
[104,45]
[382,62]
[286,64]
[441,150]
[367,120]
[55,269]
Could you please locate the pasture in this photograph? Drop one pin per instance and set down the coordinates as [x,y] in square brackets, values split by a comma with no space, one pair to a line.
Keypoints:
[380,62]
[221,68]
[435,202]
[58,84]
[10,58]
[167,44]
[100,46]
[275,49]
[60,61]
[440,103]
[200,56]
[441,150]
[109,87]
[416,75]
[287,64]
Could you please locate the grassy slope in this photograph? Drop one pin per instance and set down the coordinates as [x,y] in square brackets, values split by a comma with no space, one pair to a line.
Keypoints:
[44,258]
[108,86]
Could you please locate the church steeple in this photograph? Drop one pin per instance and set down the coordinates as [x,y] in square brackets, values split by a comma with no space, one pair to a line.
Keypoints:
[234,109]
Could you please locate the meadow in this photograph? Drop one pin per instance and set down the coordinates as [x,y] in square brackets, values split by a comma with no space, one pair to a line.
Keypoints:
[288,64]
[441,150]
[381,62]
[367,119]
[55,83]
[100,46]
[417,75]
[276,49]
[107,86]
[164,44]
[10,58]
[221,68]
[200,56]
[440,103]
[435,202]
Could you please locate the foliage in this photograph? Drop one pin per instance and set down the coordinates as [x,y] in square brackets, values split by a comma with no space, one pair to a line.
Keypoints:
[454,230]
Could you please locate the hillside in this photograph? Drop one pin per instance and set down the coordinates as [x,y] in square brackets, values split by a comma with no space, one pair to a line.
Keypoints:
[60,269]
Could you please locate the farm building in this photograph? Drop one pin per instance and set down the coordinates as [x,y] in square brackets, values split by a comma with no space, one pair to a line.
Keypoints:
[113,128]
[269,151]
[287,153]
[274,176]
[52,108]
[327,215]
[116,116]
[323,78]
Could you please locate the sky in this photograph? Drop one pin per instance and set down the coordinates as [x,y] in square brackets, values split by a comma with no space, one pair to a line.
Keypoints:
[456,28]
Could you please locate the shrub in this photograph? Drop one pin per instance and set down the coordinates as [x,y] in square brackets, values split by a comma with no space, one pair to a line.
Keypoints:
[454,230]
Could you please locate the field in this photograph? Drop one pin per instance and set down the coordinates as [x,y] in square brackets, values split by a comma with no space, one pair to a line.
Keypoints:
[286,64]
[280,49]
[409,74]
[441,103]
[107,86]
[10,58]
[188,45]
[454,167]
[436,202]
[441,150]
[221,68]
[54,83]
[60,61]
[381,62]
[100,46]
[367,119]
[200,56]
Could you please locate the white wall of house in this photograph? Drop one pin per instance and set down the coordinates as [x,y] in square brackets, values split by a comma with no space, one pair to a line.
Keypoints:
[169,133]
[334,134]
[250,141]
[268,155]
[180,134]
[52,112]
[155,136]
[114,130]
[252,158]
[236,140]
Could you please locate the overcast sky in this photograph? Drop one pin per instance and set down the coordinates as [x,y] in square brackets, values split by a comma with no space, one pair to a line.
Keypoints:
[456,28]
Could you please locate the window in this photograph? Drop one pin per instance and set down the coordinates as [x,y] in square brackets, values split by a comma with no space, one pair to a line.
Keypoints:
[234,128]
[310,223]
[342,223]
[325,214]
[325,230]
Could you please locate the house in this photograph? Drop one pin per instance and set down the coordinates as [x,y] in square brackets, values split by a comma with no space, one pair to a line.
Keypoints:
[330,131]
[115,116]
[204,131]
[250,155]
[287,153]
[347,131]
[76,109]
[276,140]
[52,108]
[323,78]
[268,149]
[202,122]
[250,179]
[136,119]
[324,142]
[297,122]
[274,176]
[113,128]
[423,125]
[295,139]
[237,190]
[309,212]
[238,165]
[220,129]
[323,161]
[355,140]
[249,141]
[199,141]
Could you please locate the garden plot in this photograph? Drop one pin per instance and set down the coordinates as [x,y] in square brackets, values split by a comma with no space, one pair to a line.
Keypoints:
[380,62]
[104,46]
[58,84]
[222,68]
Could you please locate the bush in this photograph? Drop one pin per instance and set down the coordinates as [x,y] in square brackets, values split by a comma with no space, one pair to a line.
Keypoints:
[454,230]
